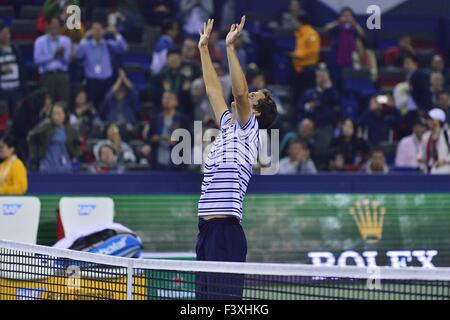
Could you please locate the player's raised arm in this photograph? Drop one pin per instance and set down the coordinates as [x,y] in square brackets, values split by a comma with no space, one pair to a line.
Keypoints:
[239,82]
[212,82]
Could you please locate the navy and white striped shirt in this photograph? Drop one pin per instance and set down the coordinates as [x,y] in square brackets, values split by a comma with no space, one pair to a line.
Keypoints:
[228,168]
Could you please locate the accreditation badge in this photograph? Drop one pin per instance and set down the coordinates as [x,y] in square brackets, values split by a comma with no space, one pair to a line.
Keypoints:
[98,69]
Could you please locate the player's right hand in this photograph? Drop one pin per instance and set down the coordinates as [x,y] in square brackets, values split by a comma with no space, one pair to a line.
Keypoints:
[204,35]
[235,32]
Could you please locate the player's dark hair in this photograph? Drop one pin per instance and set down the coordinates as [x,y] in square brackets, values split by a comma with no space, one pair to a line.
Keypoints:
[2,25]
[268,109]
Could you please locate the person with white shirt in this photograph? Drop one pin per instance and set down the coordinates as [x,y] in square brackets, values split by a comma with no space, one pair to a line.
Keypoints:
[298,160]
[435,156]
[163,45]
[409,148]
[52,54]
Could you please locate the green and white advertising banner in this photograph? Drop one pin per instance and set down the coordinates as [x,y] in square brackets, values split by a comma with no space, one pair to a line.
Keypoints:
[398,230]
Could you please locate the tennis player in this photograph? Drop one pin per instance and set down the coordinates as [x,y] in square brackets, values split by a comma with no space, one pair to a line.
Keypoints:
[228,167]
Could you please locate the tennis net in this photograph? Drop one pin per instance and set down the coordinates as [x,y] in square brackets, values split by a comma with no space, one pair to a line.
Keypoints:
[37,272]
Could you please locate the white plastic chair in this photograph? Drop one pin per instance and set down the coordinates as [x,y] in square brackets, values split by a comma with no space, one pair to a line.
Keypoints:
[19,219]
[79,214]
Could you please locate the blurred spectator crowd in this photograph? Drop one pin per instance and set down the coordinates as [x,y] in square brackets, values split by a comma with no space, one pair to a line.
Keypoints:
[107,97]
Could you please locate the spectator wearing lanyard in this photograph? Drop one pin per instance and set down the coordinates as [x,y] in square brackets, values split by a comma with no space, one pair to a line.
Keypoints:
[52,56]
[54,144]
[436,145]
[409,148]
[96,51]
[13,173]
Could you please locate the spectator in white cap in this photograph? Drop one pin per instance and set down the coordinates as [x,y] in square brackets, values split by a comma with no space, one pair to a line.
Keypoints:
[435,156]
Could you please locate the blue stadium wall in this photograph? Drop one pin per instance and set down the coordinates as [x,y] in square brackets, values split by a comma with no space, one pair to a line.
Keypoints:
[189,183]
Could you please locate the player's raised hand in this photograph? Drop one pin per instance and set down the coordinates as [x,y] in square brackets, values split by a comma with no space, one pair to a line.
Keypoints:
[235,32]
[206,33]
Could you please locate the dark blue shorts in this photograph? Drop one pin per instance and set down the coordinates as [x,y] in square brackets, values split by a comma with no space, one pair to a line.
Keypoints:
[220,240]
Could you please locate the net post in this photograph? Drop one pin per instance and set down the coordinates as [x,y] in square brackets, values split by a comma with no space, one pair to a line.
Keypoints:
[130,281]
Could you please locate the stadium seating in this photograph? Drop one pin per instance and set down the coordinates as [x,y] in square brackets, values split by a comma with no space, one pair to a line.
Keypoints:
[137,74]
[26,49]
[29,12]
[358,81]
[7,14]
[389,77]
[349,106]
[138,54]
[24,29]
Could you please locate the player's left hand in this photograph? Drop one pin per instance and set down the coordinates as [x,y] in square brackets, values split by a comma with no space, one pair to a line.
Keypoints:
[235,32]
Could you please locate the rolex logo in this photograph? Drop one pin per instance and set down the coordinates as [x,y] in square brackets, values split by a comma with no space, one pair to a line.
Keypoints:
[369,218]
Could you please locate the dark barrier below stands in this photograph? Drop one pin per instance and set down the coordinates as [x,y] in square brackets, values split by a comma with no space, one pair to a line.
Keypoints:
[189,183]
